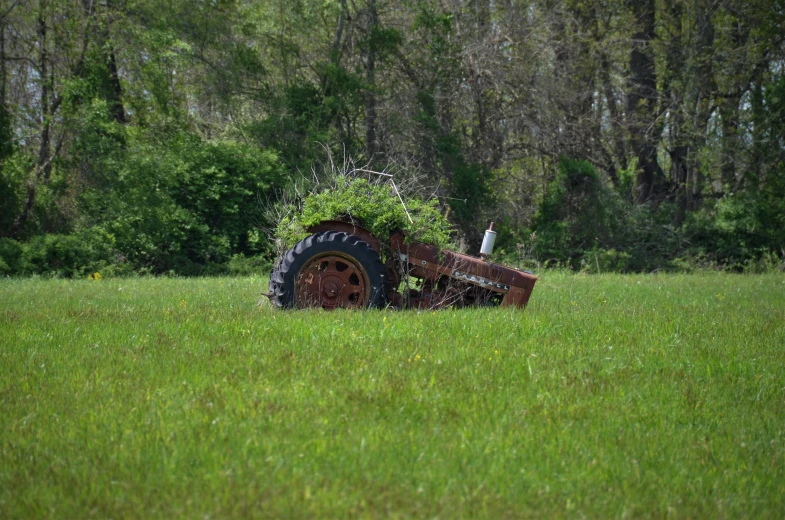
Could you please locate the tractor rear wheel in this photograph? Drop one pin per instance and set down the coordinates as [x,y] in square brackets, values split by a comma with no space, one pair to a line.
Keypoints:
[330,270]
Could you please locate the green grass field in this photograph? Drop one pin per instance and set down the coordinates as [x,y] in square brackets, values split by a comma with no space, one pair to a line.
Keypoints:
[610,396]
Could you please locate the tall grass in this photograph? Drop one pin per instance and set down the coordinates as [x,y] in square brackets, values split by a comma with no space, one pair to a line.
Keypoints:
[609,396]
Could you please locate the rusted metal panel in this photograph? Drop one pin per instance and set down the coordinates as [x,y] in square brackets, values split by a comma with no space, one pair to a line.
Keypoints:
[517,297]
[348,227]
[427,263]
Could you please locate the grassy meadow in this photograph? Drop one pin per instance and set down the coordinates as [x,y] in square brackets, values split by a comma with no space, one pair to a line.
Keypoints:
[609,396]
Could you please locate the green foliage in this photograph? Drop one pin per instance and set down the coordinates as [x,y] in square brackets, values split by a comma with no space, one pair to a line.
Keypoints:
[166,120]
[99,147]
[242,265]
[606,261]
[298,126]
[469,186]
[467,181]
[627,180]
[574,216]
[742,227]
[6,135]
[184,204]
[376,206]
[384,42]
[305,118]
[439,31]
[745,230]
[585,225]
[75,255]
[14,171]
[67,255]
[10,256]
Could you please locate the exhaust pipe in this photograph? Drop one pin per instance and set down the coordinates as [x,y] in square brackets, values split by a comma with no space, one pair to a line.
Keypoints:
[487,241]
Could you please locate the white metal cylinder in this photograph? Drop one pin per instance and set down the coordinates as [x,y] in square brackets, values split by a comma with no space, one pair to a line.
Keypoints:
[487,242]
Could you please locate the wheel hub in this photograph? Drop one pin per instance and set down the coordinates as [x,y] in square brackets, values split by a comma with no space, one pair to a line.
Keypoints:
[332,281]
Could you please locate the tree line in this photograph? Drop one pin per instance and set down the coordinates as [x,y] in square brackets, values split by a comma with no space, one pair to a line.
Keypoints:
[632,135]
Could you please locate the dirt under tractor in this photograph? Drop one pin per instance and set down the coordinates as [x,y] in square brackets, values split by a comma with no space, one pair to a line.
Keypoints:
[340,266]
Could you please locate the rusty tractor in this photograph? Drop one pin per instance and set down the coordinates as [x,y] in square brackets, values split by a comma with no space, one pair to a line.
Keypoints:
[339,266]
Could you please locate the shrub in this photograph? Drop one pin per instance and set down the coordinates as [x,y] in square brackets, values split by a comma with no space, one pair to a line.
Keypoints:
[741,228]
[10,256]
[575,215]
[86,251]
[606,261]
[185,205]
[376,206]
[241,265]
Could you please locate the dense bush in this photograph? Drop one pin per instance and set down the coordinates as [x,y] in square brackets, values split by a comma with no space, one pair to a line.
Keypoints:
[10,256]
[165,203]
[181,205]
[85,252]
[185,205]
[741,229]
[584,224]
[578,214]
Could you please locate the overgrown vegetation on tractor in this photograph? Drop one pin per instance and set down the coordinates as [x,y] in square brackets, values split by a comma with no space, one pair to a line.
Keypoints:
[345,192]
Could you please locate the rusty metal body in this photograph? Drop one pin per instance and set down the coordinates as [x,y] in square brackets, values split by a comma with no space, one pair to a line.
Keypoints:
[446,278]
[420,276]
[353,228]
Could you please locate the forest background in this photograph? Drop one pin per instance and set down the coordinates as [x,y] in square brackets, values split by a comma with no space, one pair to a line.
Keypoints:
[150,136]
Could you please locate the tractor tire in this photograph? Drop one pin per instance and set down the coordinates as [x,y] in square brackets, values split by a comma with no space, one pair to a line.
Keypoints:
[331,270]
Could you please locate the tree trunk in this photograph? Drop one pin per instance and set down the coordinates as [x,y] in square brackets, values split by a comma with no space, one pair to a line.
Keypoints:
[641,101]
[755,174]
[336,48]
[729,116]
[115,94]
[43,165]
[6,147]
[2,65]
[619,159]
[701,97]
[370,104]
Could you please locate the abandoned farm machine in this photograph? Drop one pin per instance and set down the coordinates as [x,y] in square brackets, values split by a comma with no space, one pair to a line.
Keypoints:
[340,266]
